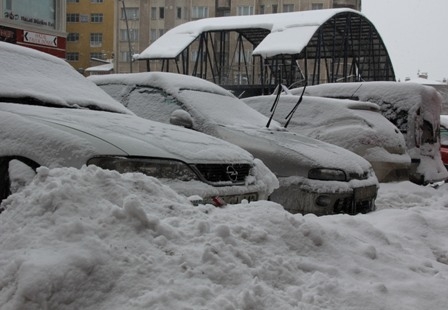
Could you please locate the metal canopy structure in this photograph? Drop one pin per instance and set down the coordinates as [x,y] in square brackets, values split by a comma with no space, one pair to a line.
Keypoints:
[253,55]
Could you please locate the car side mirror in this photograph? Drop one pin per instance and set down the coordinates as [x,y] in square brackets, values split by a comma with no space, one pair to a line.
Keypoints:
[181,118]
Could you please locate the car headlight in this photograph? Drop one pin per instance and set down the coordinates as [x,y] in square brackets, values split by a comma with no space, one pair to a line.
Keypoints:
[158,168]
[327,174]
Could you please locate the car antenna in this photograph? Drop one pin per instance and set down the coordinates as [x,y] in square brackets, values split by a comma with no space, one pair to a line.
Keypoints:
[291,113]
[274,105]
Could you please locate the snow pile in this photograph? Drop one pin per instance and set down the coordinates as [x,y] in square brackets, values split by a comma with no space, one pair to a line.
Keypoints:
[95,239]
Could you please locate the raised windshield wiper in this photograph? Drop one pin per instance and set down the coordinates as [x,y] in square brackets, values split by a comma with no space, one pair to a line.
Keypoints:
[291,113]
[274,105]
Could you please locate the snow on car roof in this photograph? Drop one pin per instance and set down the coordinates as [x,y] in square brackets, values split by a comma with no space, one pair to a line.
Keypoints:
[444,120]
[171,82]
[403,95]
[298,25]
[27,73]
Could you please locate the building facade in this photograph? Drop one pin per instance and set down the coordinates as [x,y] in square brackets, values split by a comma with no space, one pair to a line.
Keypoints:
[90,32]
[35,24]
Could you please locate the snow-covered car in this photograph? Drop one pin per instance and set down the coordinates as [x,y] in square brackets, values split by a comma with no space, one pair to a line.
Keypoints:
[315,177]
[52,116]
[354,125]
[414,108]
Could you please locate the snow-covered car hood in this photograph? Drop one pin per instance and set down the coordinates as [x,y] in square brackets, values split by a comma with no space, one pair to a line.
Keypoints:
[291,154]
[131,135]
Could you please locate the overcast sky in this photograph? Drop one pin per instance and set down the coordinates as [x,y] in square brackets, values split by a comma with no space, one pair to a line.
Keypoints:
[414,34]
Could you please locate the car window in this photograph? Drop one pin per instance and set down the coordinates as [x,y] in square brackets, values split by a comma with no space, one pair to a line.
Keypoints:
[151,103]
[223,110]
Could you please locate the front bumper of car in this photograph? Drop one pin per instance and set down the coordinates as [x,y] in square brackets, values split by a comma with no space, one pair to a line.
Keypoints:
[322,199]
[217,184]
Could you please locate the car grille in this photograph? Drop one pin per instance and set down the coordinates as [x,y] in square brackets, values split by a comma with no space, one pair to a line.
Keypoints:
[224,174]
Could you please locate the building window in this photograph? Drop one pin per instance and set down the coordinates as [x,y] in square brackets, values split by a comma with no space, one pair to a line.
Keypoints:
[131,13]
[125,56]
[96,1]
[68,1]
[72,18]
[161,32]
[72,56]
[96,39]
[84,18]
[161,12]
[179,13]
[153,13]
[153,35]
[317,6]
[97,55]
[261,9]
[73,37]
[195,55]
[288,8]
[199,12]
[274,8]
[96,17]
[133,35]
[245,10]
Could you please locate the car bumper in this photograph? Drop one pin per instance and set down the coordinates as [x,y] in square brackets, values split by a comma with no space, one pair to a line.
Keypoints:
[297,198]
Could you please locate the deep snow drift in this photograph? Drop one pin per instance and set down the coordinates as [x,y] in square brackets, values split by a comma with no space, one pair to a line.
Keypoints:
[95,239]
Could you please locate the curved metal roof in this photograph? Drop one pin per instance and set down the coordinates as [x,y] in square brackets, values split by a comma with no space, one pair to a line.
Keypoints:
[271,34]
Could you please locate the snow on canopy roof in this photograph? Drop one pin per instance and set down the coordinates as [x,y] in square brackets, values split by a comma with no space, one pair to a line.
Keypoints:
[298,25]
[101,68]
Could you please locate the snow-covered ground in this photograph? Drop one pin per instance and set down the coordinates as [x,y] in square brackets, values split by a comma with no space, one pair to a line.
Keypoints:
[95,239]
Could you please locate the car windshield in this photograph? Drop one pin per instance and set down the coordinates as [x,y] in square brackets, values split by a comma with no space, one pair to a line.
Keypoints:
[34,78]
[223,110]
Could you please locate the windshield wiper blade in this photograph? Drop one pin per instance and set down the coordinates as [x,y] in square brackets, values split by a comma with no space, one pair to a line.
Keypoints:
[274,105]
[291,113]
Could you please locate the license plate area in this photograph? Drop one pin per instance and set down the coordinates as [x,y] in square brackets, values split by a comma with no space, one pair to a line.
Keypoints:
[234,199]
[365,193]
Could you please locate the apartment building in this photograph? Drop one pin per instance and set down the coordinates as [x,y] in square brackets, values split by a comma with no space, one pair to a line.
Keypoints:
[90,33]
[118,29]
[34,24]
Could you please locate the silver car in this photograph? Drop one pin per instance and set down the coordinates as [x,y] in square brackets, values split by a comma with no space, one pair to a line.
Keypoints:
[52,116]
[315,177]
[354,125]
[415,110]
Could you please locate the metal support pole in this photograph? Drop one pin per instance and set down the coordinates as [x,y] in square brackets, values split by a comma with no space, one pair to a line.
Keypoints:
[128,34]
